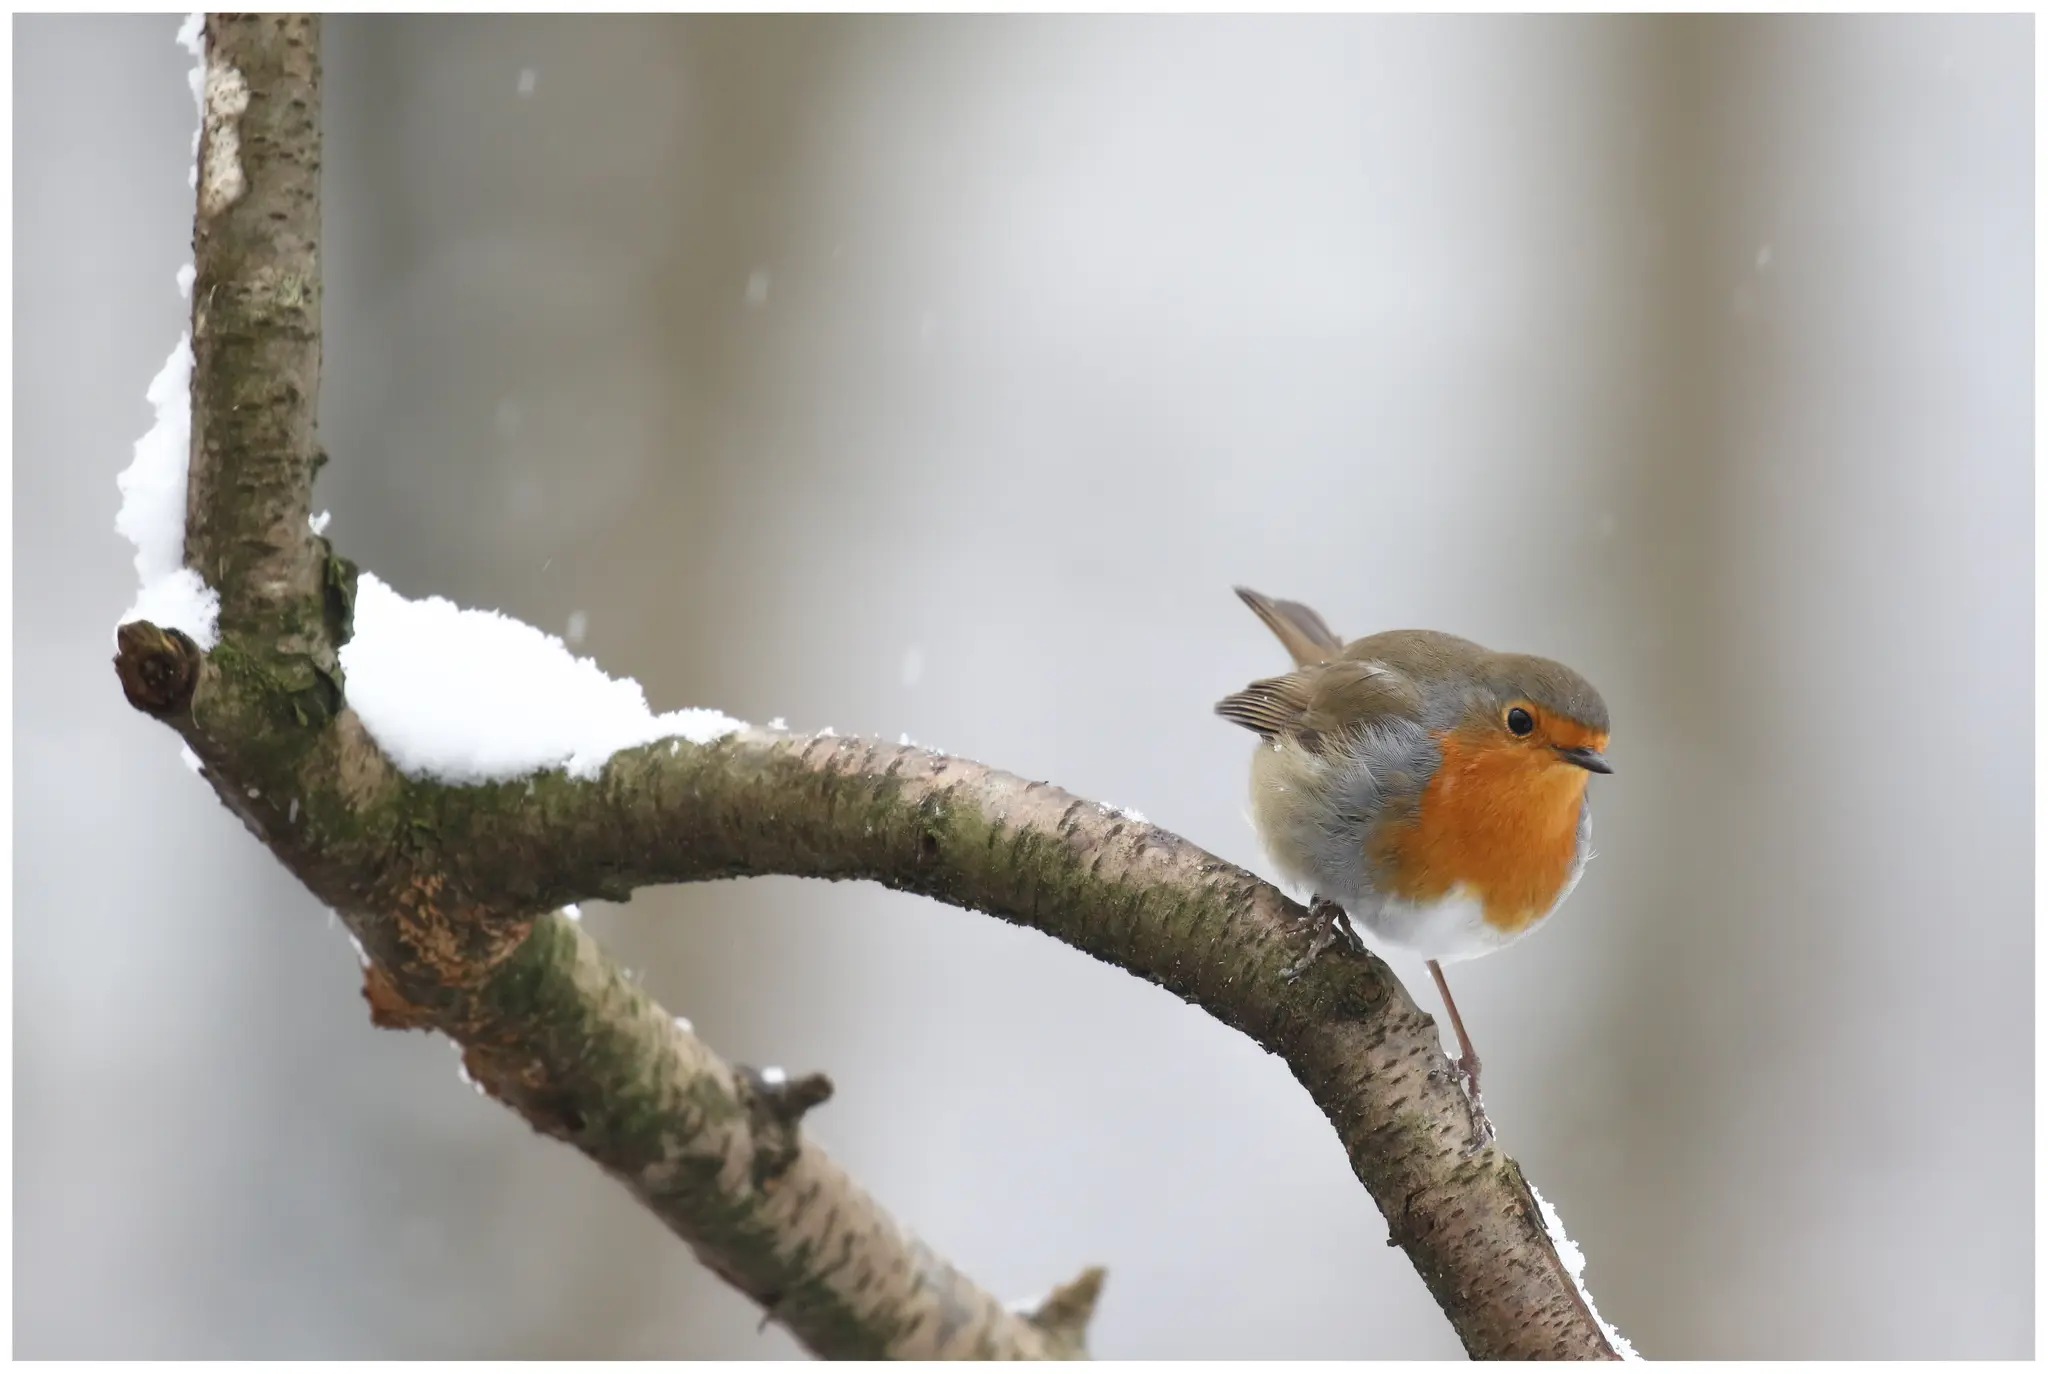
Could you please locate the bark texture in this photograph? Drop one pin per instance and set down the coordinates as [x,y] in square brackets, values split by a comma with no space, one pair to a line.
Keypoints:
[452,891]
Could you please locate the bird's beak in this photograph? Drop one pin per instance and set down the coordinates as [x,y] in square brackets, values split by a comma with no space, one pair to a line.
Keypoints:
[1592,760]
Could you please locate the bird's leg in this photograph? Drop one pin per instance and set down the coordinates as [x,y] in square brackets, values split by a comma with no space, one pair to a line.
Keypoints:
[1329,924]
[1468,1060]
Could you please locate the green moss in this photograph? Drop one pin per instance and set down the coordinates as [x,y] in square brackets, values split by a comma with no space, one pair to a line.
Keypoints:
[276,697]
[338,597]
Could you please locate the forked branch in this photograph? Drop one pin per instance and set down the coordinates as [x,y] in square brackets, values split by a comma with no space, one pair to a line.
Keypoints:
[451,890]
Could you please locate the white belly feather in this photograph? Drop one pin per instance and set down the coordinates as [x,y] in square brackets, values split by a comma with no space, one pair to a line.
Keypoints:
[1452,929]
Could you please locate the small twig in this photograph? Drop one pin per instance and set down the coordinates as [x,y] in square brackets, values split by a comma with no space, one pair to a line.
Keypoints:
[777,1104]
[785,1099]
[1064,1313]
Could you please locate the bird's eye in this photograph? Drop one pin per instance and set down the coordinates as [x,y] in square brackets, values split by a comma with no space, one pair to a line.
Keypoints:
[1520,721]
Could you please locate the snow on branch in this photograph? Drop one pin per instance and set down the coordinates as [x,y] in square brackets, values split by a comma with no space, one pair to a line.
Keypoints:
[152,514]
[468,696]
[1575,1265]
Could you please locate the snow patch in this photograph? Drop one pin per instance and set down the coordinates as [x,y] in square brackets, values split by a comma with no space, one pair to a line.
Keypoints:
[1575,1265]
[469,696]
[192,38]
[152,514]
[221,182]
[462,1068]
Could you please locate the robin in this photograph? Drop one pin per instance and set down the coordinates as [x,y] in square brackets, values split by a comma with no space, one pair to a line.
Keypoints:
[1433,790]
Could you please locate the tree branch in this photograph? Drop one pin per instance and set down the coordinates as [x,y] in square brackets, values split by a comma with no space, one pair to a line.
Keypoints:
[449,890]
[548,1023]
[256,328]
[1128,893]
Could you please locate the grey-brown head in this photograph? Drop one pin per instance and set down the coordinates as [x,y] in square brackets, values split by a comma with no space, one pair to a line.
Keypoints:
[1539,698]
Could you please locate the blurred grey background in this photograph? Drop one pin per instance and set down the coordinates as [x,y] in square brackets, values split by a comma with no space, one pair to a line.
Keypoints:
[940,376]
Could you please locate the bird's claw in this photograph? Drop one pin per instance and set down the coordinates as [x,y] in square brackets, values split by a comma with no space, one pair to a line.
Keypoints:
[1330,925]
[1482,1127]
[1466,1071]
[1292,973]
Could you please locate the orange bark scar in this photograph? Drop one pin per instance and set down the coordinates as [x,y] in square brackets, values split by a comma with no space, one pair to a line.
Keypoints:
[388,1006]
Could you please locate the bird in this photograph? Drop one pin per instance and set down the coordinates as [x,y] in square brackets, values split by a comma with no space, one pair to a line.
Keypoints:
[1429,789]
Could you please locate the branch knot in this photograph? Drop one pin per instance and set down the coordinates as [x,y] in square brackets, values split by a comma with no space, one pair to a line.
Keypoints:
[158,668]
[776,1104]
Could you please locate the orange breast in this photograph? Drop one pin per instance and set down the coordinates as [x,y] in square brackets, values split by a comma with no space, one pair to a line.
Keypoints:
[1499,819]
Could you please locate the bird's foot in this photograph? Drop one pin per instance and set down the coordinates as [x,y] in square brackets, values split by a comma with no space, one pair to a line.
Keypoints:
[1465,1068]
[1328,925]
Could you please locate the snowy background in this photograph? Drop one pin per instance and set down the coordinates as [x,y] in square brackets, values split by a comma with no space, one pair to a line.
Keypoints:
[940,377]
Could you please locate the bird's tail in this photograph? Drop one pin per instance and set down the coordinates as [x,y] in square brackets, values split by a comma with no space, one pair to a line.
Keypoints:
[1298,627]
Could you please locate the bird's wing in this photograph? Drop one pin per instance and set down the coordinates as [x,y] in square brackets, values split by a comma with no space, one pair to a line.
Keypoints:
[1307,638]
[1320,706]
[1425,655]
